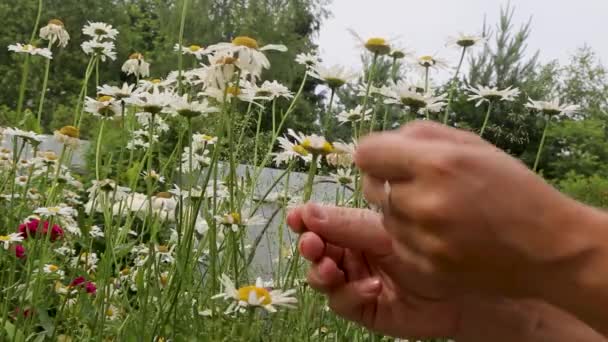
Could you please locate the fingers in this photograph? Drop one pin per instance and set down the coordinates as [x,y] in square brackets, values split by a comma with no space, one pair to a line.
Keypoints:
[313,248]
[325,276]
[294,220]
[358,229]
[374,190]
[430,130]
[348,301]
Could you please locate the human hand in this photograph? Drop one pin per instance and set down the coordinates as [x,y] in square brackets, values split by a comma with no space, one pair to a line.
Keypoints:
[369,279]
[472,215]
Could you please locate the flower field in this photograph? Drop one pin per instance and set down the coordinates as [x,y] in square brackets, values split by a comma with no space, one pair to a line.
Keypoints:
[151,241]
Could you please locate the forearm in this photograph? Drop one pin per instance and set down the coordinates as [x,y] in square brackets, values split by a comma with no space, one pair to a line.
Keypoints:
[526,321]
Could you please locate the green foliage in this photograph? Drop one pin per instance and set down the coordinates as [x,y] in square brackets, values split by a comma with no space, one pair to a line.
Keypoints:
[151,27]
[592,190]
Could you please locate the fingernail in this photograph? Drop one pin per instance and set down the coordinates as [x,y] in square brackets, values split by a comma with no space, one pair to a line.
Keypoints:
[317,212]
[372,285]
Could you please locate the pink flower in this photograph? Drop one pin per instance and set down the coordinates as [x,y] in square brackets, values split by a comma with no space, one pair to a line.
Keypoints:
[90,287]
[30,228]
[19,251]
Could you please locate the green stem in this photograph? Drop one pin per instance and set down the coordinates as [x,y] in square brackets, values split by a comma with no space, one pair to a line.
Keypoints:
[487,118]
[98,151]
[37,22]
[370,79]
[541,146]
[24,75]
[180,62]
[311,178]
[426,79]
[453,87]
[47,68]
[327,122]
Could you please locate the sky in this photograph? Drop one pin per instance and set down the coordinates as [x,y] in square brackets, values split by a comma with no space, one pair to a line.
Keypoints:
[559,27]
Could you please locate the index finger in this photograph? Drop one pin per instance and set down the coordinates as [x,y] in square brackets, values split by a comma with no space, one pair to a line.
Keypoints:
[392,156]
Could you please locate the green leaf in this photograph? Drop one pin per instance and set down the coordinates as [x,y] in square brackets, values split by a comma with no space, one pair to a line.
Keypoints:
[12,333]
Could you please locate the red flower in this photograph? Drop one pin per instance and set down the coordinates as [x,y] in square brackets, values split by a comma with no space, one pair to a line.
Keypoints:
[77,282]
[90,287]
[19,251]
[30,228]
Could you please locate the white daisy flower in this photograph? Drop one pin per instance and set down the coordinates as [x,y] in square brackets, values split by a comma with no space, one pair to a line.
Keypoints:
[7,240]
[314,144]
[289,151]
[29,136]
[376,45]
[200,141]
[118,93]
[65,251]
[307,59]
[492,94]
[63,211]
[343,177]
[104,107]
[407,95]
[53,269]
[343,155]
[249,55]
[96,232]
[191,109]
[68,135]
[99,30]
[55,31]
[243,93]
[255,296]
[136,65]
[112,313]
[464,41]
[400,52]
[272,90]
[235,221]
[194,50]
[87,260]
[153,175]
[102,49]
[154,102]
[553,108]
[31,49]
[335,76]
[354,115]
[432,62]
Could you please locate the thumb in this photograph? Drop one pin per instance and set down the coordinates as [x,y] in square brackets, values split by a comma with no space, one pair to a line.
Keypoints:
[358,229]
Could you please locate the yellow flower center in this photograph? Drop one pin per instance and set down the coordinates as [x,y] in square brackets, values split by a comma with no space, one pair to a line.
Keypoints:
[156,81]
[195,48]
[299,149]
[110,312]
[125,271]
[206,137]
[325,149]
[105,98]
[28,47]
[378,45]
[427,61]
[5,238]
[162,249]
[136,55]
[70,131]
[245,41]
[23,179]
[53,268]
[56,22]
[163,195]
[54,210]
[235,218]
[226,61]
[234,91]
[260,293]
[164,279]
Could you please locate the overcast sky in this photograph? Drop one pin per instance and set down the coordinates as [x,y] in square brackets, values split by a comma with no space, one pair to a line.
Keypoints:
[558,26]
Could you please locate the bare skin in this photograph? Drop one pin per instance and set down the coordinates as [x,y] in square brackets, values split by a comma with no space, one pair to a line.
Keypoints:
[471,217]
[370,279]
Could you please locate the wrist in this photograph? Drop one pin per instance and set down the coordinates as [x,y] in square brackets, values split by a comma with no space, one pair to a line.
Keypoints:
[577,281]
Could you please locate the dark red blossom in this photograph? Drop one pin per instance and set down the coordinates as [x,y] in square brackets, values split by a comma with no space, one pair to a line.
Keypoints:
[30,229]
[90,287]
[78,281]
[19,251]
